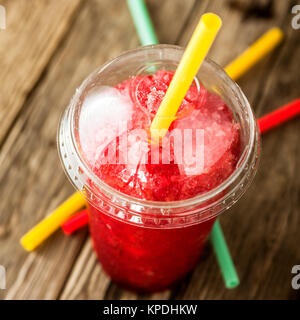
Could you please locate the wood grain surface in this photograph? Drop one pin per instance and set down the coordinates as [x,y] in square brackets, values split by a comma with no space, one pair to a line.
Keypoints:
[46,51]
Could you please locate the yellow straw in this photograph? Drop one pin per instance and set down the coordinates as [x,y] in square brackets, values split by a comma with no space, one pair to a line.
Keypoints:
[187,69]
[254,53]
[51,223]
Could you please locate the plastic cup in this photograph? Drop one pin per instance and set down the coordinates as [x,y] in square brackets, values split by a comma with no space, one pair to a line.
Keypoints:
[148,245]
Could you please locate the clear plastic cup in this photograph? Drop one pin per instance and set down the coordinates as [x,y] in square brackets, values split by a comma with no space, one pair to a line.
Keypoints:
[150,245]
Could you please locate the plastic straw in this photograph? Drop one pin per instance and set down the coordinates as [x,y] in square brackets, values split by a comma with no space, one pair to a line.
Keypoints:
[187,69]
[279,116]
[142,22]
[51,223]
[266,43]
[223,256]
[76,222]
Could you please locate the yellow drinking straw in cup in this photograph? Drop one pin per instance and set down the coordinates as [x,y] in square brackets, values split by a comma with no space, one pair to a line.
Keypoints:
[187,69]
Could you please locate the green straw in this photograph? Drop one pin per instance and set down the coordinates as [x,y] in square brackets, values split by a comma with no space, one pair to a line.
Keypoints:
[142,22]
[222,253]
[147,36]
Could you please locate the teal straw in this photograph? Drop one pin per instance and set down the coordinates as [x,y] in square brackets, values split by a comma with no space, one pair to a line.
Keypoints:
[147,36]
[142,22]
[222,253]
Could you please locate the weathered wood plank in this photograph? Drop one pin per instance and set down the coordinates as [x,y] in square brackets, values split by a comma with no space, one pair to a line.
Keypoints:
[262,229]
[34,29]
[87,280]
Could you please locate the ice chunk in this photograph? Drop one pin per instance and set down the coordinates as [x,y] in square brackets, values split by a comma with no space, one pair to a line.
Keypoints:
[105,114]
[218,132]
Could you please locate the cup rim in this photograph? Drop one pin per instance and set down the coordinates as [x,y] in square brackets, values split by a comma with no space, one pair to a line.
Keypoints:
[197,200]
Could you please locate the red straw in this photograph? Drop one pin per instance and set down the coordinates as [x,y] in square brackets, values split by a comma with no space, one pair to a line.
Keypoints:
[77,221]
[265,123]
[280,115]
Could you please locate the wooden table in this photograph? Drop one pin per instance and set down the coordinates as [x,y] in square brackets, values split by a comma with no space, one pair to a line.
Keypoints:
[46,51]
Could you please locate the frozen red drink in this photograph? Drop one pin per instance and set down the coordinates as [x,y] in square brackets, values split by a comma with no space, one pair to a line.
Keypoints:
[151,205]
